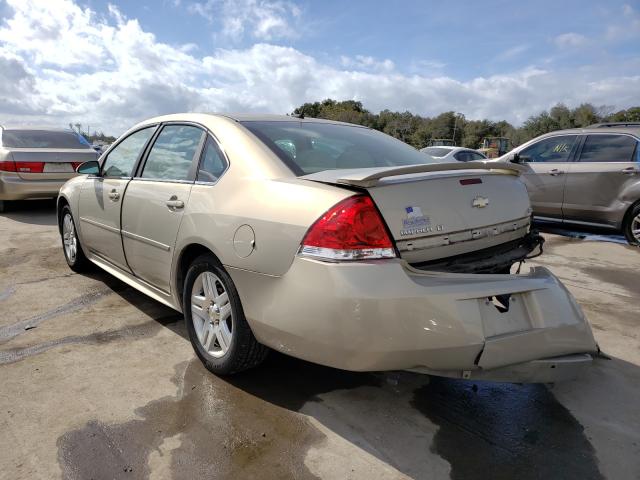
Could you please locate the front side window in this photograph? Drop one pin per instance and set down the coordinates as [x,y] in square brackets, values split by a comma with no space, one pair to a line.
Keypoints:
[172,153]
[213,163]
[122,158]
[554,149]
[309,147]
[43,139]
[608,148]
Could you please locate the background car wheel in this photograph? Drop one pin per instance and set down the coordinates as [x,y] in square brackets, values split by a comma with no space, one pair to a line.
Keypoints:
[632,225]
[4,206]
[73,253]
[214,318]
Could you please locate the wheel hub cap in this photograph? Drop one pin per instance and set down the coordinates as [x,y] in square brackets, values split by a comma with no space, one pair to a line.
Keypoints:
[211,313]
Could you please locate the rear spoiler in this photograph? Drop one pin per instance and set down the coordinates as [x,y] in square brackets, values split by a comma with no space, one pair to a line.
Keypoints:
[368,177]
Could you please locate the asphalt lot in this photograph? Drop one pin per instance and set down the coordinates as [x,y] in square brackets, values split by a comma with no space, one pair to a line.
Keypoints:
[98,381]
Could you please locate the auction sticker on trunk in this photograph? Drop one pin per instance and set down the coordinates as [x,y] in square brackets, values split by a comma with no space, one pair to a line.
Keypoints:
[416,222]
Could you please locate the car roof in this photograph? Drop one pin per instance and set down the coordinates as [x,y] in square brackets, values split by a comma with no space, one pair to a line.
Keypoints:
[34,128]
[598,128]
[245,117]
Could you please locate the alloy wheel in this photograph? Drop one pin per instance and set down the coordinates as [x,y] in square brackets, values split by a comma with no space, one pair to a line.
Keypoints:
[69,238]
[635,227]
[212,314]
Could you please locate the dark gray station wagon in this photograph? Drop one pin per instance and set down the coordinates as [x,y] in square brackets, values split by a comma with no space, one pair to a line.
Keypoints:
[587,176]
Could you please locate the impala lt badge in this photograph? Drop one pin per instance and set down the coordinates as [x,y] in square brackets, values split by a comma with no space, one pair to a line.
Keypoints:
[480,202]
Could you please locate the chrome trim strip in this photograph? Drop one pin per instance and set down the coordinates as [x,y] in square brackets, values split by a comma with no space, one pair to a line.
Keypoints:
[146,240]
[162,180]
[109,228]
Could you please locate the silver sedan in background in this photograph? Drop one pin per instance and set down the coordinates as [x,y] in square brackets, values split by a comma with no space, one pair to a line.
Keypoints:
[453,154]
[34,163]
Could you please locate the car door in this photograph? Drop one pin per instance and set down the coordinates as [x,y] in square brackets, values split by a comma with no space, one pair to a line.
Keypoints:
[101,198]
[606,164]
[154,204]
[547,162]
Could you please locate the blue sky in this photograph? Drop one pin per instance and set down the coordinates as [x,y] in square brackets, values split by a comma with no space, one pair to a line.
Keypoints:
[495,59]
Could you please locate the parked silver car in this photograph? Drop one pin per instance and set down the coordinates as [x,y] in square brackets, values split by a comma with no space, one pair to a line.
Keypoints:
[326,241]
[34,163]
[453,154]
[588,176]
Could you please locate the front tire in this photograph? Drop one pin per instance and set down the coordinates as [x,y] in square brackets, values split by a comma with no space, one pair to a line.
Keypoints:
[73,253]
[631,228]
[215,321]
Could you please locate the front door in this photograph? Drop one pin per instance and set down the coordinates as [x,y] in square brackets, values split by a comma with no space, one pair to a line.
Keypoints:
[607,164]
[101,198]
[155,201]
[547,162]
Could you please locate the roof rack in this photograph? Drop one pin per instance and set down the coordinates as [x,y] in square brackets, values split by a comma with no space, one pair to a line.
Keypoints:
[614,124]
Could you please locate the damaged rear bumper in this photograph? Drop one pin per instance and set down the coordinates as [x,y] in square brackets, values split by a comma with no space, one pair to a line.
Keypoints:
[386,315]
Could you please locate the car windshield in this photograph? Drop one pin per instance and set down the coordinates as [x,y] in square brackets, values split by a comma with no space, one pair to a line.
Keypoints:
[435,151]
[43,139]
[309,147]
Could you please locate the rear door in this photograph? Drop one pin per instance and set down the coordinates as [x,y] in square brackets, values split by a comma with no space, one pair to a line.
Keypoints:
[101,198]
[606,165]
[548,161]
[155,201]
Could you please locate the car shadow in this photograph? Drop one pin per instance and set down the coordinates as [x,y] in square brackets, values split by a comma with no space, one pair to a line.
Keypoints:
[593,234]
[34,212]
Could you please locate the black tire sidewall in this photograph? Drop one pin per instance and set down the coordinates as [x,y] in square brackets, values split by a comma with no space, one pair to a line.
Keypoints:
[229,362]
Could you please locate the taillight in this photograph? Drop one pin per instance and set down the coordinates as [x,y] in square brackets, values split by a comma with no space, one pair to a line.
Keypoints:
[7,166]
[76,165]
[351,230]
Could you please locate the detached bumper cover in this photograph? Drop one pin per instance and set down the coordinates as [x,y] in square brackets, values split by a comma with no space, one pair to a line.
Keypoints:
[385,315]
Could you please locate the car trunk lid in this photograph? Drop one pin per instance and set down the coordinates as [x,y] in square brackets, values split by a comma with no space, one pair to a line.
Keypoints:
[440,210]
[49,164]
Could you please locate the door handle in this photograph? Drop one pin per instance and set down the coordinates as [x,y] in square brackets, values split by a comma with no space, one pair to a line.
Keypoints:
[114,195]
[630,171]
[174,203]
[554,172]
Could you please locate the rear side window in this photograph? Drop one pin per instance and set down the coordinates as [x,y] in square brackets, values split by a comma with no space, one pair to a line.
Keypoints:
[43,139]
[172,153]
[608,148]
[309,147]
[435,151]
[122,158]
[213,163]
[467,156]
[554,149]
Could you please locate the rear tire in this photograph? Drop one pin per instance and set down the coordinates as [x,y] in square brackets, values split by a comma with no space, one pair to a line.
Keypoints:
[631,227]
[215,321]
[4,206]
[73,253]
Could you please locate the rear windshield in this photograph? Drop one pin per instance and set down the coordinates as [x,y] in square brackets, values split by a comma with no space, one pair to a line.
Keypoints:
[435,151]
[43,139]
[313,147]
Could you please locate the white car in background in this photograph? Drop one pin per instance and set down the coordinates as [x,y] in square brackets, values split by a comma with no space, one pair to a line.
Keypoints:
[453,154]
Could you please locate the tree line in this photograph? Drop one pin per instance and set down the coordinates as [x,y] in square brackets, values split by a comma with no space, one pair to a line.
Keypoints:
[418,131]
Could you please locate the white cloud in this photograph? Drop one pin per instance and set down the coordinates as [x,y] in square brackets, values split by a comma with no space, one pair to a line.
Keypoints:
[512,52]
[61,63]
[363,62]
[260,19]
[571,40]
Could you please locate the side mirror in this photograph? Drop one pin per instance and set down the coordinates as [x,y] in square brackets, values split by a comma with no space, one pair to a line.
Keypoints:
[516,158]
[92,167]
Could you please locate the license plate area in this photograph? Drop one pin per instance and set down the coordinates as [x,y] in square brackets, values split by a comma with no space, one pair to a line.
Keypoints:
[503,314]
[53,167]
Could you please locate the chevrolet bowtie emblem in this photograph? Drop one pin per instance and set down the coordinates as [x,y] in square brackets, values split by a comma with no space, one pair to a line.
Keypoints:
[480,202]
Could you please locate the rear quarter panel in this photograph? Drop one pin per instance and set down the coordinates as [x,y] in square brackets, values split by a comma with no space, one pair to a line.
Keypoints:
[256,190]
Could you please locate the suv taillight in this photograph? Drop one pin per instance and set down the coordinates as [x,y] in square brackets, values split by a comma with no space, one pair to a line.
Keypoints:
[351,230]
